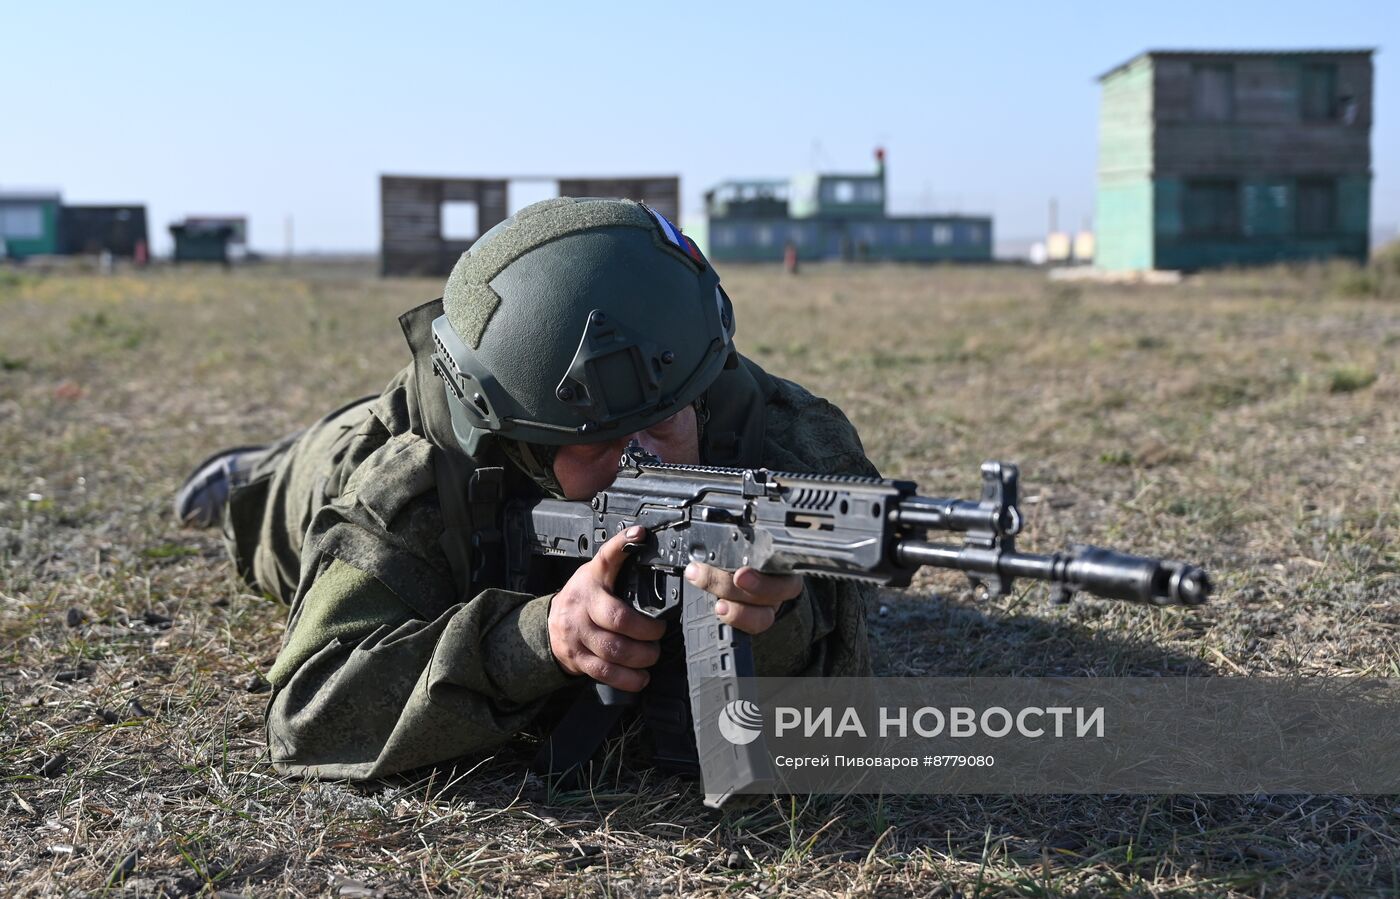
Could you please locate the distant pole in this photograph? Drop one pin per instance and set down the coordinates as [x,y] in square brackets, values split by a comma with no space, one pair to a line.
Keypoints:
[1054,215]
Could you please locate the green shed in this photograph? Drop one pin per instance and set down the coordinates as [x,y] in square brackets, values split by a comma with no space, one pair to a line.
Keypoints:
[202,241]
[1234,158]
[28,224]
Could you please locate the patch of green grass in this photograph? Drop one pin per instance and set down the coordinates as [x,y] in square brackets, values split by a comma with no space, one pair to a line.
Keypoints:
[1213,513]
[11,279]
[1120,457]
[1358,282]
[1379,280]
[1387,257]
[1229,391]
[44,505]
[117,331]
[1349,378]
[169,551]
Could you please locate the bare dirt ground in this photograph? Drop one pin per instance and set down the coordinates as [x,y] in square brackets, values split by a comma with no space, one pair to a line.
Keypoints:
[1248,421]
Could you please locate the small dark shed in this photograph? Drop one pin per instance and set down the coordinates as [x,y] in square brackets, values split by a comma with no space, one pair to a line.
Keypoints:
[201,242]
[119,230]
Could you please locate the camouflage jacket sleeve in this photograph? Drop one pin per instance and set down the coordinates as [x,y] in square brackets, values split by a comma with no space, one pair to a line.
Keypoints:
[365,688]
[823,631]
[383,668]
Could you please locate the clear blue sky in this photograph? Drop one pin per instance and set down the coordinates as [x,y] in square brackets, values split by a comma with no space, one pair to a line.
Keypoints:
[296,108]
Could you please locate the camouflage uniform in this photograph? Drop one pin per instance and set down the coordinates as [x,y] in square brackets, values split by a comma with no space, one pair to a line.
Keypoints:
[393,657]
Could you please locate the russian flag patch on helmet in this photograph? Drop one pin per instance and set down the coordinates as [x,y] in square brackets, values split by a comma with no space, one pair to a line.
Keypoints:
[674,235]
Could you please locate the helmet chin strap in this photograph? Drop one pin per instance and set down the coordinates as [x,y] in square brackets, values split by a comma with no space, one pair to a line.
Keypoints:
[536,461]
[702,422]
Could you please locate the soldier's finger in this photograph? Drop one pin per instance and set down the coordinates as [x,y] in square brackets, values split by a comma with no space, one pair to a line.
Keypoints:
[747,618]
[619,676]
[610,556]
[715,581]
[616,649]
[769,589]
[612,614]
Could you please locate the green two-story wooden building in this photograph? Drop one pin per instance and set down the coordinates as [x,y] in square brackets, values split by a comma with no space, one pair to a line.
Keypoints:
[1234,158]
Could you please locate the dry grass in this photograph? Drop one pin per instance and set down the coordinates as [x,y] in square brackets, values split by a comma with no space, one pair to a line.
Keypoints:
[1250,421]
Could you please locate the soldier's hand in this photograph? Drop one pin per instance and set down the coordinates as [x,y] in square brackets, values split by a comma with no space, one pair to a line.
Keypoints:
[745,599]
[593,632]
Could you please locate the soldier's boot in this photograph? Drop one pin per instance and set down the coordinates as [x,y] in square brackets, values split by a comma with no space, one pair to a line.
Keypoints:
[202,498]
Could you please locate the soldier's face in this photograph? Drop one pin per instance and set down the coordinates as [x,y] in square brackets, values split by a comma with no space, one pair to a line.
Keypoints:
[585,468]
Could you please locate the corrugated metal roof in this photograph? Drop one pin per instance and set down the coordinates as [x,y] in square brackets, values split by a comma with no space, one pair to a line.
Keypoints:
[1203,54]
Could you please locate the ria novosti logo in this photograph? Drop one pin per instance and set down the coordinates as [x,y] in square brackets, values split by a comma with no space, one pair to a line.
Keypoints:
[741,722]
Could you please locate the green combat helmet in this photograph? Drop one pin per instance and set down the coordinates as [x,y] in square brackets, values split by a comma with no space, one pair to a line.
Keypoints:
[578,320]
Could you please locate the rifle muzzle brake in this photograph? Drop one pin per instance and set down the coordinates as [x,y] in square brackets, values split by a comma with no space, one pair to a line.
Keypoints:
[1116,575]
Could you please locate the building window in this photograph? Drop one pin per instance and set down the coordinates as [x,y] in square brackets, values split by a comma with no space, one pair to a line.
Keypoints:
[1319,92]
[21,222]
[764,235]
[942,235]
[1317,206]
[1213,92]
[461,220]
[843,191]
[974,234]
[868,192]
[1211,208]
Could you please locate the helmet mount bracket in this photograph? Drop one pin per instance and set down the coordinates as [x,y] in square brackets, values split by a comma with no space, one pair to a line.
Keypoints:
[608,357]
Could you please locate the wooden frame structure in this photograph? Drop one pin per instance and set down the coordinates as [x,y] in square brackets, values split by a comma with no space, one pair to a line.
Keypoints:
[411,235]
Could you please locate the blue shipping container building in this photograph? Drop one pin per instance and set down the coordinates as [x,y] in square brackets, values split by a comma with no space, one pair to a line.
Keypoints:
[833,217]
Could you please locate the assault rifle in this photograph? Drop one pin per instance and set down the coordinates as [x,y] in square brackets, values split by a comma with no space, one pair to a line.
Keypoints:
[855,528]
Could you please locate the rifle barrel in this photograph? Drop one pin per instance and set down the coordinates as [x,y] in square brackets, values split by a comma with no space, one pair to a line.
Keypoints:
[1103,572]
